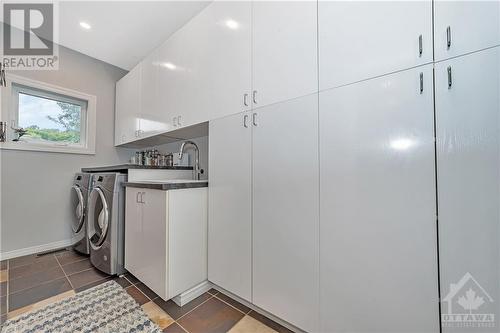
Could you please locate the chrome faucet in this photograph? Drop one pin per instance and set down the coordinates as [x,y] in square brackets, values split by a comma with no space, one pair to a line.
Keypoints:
[197,170]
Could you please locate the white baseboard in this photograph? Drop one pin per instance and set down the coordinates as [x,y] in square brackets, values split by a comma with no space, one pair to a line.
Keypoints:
[36,249]
[192,293]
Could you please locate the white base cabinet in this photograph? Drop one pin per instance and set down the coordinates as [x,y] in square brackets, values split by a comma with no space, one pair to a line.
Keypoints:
[166,238]
[379,268]
[468,151]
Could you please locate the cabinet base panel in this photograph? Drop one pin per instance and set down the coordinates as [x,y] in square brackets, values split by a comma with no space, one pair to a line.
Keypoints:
[192,293]
[257,309]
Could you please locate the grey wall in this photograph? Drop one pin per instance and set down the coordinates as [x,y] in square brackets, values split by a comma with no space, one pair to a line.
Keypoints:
[35,186]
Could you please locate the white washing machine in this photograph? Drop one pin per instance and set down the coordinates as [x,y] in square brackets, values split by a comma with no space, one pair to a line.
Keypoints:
[105,226]
[79,195]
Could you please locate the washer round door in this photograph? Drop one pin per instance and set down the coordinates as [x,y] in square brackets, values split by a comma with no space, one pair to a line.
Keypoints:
[79,206]
[98,218]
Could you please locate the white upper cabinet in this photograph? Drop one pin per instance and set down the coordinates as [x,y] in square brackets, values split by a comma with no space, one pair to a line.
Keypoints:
[378,211]
[465,26]
[206,66]
[468,151]
[284,50]
[128,106]
[286,211]
[154,119]
[230,204]
[364,39]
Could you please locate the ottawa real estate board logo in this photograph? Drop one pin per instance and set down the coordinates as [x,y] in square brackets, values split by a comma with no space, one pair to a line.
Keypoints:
[468,306]
[29,38]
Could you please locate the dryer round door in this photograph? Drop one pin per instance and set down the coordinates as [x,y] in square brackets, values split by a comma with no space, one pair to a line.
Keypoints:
[79,208]
[98,218]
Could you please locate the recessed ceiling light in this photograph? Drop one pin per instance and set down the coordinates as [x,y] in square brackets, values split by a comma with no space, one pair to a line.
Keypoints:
[85,25]
[232,24]
[169,65]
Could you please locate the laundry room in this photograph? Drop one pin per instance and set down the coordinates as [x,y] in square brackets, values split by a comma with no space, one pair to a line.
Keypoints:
[323,166]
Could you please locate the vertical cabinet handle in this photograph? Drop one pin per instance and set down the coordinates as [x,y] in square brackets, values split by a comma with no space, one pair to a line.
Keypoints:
[254,119]
[143,194]
[421,83]
[420,46]
[245,121]
[450,82]
[137,197]
[254,97]
[179,120]
[448,37]
[245,99]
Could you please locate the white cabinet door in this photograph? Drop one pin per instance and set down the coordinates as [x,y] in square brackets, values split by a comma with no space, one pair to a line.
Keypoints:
[465,26]
[153,118]
[286,211]
[154,248]
[364,39]
[467,122]
[133,232]
[378,207]
[128,107]
[187,242]
[230,204]
[284,49]
[207,64]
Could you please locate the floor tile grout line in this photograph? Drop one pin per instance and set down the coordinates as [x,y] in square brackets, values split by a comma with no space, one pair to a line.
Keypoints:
[45,282]
[196,307]
[38,285]
[69,281]
[7,295]
[232,305]
[29,264]
[150,300]
[182,327]
[73,262]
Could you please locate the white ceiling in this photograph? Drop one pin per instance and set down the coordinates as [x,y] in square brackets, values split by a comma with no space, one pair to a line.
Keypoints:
[122,32]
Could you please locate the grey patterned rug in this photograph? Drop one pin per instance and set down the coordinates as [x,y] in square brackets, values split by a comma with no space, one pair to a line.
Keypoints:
[104,308]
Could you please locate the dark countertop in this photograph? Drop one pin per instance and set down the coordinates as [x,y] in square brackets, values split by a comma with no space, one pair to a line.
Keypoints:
[126,167]
[167,185]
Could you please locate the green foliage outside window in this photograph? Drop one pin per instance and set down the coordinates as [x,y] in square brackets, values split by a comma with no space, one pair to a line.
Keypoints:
[69,119]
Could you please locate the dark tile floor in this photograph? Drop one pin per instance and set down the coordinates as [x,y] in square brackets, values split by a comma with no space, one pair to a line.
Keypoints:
[31,282]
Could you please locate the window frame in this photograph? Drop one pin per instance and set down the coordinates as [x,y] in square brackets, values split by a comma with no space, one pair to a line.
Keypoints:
[10,112]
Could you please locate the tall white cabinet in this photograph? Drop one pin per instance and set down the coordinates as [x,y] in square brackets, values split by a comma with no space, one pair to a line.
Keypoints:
[363,39]
[286,211]
[263,208]
[468,150]
[378,211]
[284,50]
[461,27]
[230,204]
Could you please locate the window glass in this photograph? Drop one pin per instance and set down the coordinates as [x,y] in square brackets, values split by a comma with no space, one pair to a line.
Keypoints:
[50,119]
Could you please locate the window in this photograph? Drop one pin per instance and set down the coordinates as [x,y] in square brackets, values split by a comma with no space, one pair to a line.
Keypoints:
[49,118]
[54,119]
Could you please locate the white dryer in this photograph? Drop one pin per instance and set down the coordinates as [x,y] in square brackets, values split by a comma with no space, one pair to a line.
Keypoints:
[106,215]
[79,195]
